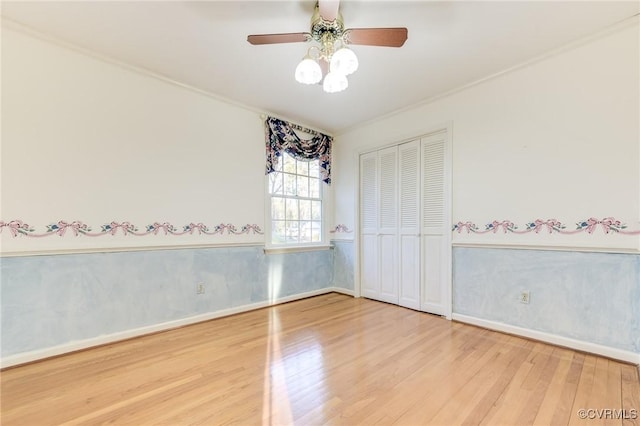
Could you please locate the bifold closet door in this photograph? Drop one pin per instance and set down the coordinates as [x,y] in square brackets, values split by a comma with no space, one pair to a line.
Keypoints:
[409,224]
[435,259]
[403,226]
[378,224]
[388,225]
[369,276]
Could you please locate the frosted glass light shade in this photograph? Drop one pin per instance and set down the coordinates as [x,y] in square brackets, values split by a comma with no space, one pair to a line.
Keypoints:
[308,71]
[344,61]
[334,82]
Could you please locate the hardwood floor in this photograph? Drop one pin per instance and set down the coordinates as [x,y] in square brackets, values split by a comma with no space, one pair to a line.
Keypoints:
[330,359]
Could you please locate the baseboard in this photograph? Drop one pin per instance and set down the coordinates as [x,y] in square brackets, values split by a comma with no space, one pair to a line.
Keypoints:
[343,291]
[26,357]
[580,345]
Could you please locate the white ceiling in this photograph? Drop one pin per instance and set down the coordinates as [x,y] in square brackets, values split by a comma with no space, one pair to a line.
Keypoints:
[203,44]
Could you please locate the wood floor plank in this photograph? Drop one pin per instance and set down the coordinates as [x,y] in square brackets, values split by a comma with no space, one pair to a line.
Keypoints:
[610,395]
[514,390]
[331,359]
[583,400]
[547,408]
[630,390]
[511,378]
[538,384]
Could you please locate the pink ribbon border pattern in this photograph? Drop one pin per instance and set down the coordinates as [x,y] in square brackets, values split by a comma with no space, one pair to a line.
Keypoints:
[61,228]
[609,225]
[341,228]
[16,228]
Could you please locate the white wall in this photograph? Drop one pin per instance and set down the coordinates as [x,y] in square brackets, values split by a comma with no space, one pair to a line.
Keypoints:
[90,141]
[558,138]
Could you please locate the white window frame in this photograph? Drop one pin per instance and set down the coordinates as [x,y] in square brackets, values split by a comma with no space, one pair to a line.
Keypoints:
[274,248]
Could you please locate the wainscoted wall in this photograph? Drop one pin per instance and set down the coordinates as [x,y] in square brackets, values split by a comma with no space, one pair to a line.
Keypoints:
[343,264]
[49,301]
[591,297]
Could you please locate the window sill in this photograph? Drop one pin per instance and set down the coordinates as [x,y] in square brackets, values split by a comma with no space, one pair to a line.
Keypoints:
[296,249]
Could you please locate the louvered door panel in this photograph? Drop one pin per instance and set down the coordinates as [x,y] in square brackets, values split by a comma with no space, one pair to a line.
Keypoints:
[370,267]
[369,192]
[409,154]
[433,185]
[388,190]
[388,249]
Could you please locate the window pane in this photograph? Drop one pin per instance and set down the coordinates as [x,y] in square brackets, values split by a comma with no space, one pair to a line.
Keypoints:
[305,232]
[288,164]
[305,209]
[275,183]
[292,210]
[314,168]
[316,231]
[316,210]
[303,168]
[314,188]
[303,186]
[277,231]
[289,184]
[292,232]
[277,208]
[278,167]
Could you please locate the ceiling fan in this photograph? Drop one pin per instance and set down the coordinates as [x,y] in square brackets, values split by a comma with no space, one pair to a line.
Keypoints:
[332,58]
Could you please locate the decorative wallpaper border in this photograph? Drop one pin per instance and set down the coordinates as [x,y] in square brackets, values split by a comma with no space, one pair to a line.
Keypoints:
[609,225]
[76,228]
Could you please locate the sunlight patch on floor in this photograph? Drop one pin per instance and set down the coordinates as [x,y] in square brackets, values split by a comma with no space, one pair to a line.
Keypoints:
[276,407]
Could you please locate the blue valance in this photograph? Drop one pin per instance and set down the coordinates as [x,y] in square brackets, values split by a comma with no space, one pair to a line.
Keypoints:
[281,136]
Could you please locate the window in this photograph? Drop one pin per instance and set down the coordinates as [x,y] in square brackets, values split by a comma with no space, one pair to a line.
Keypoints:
[295,194]
[298,168]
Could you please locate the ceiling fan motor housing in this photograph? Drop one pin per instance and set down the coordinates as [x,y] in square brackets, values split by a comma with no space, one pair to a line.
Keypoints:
[321,29]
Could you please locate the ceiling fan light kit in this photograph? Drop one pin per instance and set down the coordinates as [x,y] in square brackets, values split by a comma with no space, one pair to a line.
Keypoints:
[327,29]
[341,64]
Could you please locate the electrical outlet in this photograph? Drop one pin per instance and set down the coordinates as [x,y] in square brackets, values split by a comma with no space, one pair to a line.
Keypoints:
[525,297]
[200,289]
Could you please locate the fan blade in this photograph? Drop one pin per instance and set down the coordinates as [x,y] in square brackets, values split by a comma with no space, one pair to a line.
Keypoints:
[278,38]
[391,37]
[328,9]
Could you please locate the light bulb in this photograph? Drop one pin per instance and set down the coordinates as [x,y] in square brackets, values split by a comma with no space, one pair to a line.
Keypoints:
[344,61]
[308,71]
